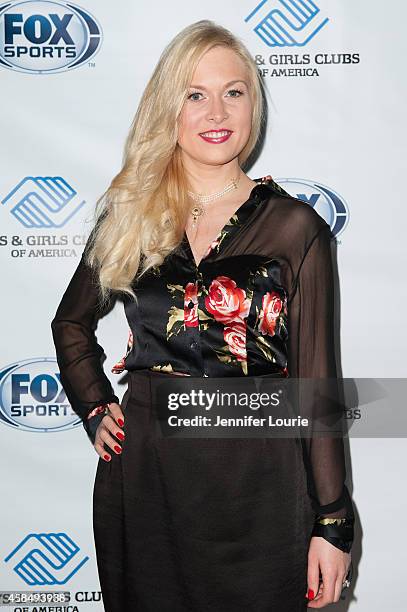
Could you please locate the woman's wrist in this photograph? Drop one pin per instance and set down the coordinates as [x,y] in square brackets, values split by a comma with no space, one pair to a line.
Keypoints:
[338,531]
[94,418]
[98,410]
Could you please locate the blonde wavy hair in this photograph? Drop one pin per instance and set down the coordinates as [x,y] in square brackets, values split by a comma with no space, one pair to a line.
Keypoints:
[141,217]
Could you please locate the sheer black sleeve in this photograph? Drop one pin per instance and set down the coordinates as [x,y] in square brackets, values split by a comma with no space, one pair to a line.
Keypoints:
[311,311]
[77,351]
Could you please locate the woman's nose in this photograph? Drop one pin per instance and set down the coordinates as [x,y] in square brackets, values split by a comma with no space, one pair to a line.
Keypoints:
[216,109]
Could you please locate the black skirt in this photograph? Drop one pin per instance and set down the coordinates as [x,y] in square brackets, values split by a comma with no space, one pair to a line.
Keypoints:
[218,525]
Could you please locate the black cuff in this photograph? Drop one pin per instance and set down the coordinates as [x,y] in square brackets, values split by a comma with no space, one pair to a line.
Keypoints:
[91,425]
[340,536]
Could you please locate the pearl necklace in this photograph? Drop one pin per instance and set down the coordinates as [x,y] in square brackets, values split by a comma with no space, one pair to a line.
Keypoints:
[198,210]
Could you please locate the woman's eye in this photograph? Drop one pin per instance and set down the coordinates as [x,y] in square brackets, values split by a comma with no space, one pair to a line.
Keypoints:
[196,93]
[238,91]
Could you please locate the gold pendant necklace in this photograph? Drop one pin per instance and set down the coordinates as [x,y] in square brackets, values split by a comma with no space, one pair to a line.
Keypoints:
[198,210]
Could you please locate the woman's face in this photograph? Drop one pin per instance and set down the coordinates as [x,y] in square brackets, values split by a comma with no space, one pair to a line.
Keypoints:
[217,99]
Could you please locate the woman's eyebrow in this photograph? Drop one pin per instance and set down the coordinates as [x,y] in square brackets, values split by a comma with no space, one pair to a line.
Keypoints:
[226,84]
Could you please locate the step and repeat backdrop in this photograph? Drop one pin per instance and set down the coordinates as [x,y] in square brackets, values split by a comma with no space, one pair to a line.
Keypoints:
[71,76]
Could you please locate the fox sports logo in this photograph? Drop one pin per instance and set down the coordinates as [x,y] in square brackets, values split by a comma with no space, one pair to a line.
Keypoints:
[46,37]
[32,397]
[324,200]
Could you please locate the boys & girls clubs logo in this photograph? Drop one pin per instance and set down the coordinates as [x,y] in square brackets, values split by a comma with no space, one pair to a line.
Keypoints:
[46,37]
[284,26]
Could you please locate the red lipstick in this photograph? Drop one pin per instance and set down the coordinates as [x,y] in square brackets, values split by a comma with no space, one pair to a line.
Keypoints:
[209,136]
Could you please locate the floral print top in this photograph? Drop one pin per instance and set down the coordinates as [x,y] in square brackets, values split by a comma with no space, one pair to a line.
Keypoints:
[225,317]
[259,302]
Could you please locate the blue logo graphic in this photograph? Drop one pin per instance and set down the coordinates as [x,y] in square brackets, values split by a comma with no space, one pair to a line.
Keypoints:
[32,397]
[291,23]
[327,203]
[46,36]
[43,201]
[46,559]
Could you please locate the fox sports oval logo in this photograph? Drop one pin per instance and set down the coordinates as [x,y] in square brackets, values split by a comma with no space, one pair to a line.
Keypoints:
[46,37]
[328,203]
[32,397]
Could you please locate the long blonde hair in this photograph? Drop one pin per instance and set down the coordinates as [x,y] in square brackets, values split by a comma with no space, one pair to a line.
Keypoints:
[141,217]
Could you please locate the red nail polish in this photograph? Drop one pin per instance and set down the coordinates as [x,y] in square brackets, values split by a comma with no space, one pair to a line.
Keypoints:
[120,435]
[117,448]
[106,457]
[310,594]
[121,422]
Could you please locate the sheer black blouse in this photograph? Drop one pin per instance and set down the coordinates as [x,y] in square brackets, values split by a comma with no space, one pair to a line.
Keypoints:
[260,301]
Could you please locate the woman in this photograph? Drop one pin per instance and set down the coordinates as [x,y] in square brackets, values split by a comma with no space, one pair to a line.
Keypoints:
[222,277]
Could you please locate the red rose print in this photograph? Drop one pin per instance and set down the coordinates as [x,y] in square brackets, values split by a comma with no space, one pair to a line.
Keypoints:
[235,337]
[120,365]
[191,312]
[129,342]
[227,302]
[271,307]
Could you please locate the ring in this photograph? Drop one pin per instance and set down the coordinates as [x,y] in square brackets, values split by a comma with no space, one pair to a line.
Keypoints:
[348,580]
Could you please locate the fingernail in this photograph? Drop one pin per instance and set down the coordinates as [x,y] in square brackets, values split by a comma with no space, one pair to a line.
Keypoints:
[310,594]
[121,422]
[120,435]
[117,448]
[106,457]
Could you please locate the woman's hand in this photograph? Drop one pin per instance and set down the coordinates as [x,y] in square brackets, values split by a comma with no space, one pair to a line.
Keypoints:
[334,565]
[109,429]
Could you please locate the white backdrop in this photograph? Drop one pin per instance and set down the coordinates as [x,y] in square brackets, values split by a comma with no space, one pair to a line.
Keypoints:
[333,123]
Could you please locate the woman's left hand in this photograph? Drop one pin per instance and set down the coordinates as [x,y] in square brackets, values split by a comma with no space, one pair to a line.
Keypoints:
[333,564]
